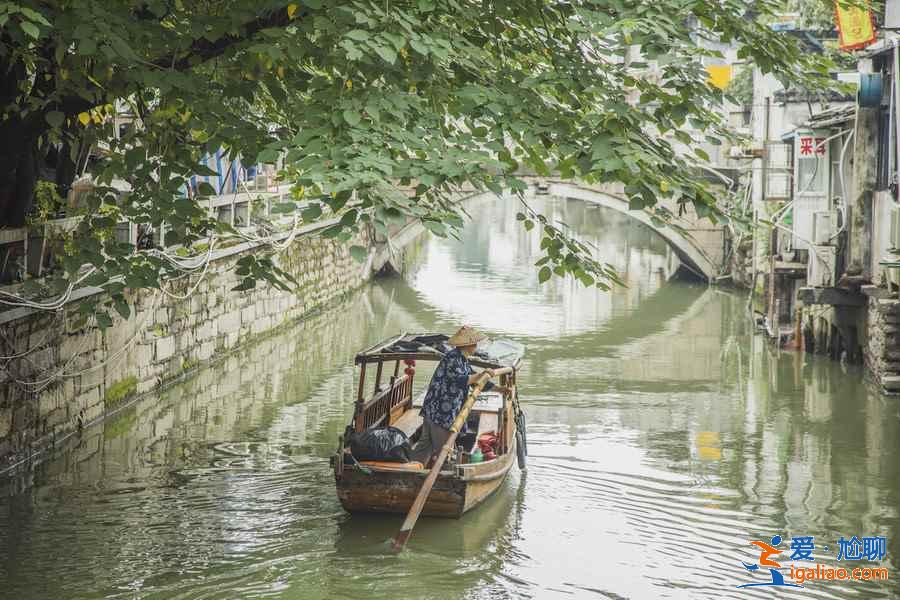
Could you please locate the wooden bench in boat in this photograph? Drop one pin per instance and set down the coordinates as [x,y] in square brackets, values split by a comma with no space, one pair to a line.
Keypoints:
[409,422]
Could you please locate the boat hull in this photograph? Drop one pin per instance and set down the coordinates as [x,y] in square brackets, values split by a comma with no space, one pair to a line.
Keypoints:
[453,494]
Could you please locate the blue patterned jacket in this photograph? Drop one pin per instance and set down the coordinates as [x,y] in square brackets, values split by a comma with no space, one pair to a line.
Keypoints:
[448,389]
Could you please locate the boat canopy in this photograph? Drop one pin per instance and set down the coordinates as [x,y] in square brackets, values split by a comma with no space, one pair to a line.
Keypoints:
[433,346]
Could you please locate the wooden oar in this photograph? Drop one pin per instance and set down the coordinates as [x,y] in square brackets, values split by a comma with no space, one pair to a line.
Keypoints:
[417,506]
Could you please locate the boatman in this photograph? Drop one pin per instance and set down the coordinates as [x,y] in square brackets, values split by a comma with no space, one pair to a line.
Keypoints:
[447,392]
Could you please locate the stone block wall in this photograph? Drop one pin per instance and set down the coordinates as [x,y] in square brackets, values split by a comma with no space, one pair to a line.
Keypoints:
[64,377]
[882,351]
[869,334]
[220,403]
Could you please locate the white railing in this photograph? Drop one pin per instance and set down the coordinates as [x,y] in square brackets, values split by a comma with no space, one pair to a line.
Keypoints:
[26,252]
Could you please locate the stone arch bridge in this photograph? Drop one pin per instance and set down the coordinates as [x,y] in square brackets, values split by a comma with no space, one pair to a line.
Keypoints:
[700,246]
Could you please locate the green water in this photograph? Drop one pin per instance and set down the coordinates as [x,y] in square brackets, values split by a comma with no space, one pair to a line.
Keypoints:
[664,436]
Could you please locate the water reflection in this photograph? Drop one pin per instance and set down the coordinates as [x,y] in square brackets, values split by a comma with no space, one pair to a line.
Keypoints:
[491,269]
[663,436]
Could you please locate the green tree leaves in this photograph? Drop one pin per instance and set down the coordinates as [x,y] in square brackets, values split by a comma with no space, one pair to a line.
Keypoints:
[377,114]
[30,29]
[359,253]
[312,212]
[352,117]
[55,118]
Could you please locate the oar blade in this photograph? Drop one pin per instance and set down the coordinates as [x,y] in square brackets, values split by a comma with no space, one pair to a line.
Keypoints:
[400,540]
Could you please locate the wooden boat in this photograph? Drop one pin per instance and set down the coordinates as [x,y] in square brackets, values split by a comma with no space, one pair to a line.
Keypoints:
[391,487]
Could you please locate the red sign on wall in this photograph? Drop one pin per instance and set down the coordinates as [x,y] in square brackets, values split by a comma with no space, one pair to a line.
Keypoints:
[809,144]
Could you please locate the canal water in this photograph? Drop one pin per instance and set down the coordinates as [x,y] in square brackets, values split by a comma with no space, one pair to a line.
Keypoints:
[664,436]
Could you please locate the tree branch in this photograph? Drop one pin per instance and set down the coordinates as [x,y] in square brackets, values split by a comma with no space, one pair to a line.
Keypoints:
[202,50]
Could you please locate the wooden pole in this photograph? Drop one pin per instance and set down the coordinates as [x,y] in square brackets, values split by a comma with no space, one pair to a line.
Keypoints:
[359,398]
[378,376]
[362,383]
[417,506]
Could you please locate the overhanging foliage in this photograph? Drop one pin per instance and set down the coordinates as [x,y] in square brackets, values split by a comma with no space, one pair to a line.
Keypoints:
[357,97]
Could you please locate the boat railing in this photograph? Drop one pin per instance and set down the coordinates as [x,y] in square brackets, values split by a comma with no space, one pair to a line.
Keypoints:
[385,404]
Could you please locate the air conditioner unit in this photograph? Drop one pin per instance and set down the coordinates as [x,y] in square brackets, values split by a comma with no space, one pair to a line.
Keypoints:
[821,266]
[895,227]
[823,227]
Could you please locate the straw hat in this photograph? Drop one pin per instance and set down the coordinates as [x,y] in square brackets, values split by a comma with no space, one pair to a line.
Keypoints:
[466,336]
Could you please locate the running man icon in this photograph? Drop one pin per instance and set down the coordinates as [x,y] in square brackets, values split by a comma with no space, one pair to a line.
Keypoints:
[766,551]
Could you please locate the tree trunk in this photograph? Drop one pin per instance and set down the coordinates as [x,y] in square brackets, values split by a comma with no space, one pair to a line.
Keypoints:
[23,163]
[19,170]
[66,169]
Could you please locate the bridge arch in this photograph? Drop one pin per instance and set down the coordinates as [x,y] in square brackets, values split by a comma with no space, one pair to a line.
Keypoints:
[687,249]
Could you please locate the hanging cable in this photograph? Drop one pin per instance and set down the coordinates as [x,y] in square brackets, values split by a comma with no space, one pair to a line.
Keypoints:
[842,208]
[61,373]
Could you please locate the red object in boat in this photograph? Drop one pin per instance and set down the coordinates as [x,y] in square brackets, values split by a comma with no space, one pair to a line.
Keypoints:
[488,444]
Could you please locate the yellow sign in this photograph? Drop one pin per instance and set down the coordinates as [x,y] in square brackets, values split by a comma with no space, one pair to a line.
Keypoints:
[854,25]
[719,75]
